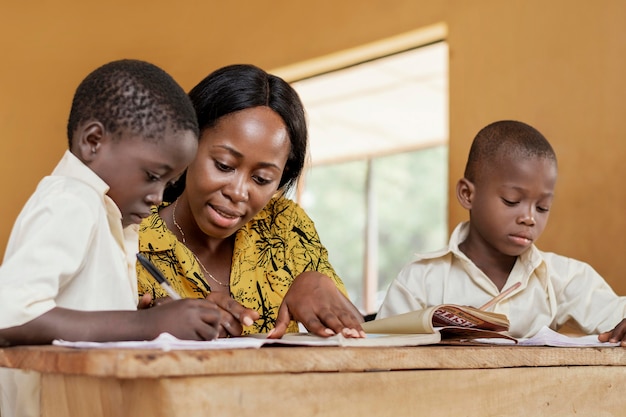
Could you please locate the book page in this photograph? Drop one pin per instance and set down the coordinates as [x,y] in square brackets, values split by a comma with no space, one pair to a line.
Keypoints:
[372,339]
[469,317]
[167,342]
[441,316]
[419,321]
[549,337]
[471,333]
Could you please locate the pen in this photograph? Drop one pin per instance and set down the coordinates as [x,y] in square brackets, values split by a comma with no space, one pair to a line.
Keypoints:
[501,296]
[154,271]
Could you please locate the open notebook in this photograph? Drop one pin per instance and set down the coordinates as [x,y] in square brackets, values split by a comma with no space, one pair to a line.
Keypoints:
[167,342]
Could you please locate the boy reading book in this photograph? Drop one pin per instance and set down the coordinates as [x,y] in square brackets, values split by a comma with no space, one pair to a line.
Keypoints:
[69,267]
[508,189]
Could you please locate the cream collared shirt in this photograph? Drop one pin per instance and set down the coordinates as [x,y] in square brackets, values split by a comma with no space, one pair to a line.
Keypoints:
[553,289]
[67,249]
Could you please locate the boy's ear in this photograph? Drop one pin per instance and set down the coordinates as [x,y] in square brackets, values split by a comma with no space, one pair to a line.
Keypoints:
[88,140]
[465,192]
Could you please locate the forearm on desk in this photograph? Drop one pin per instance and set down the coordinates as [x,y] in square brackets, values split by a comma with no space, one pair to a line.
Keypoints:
[74,325]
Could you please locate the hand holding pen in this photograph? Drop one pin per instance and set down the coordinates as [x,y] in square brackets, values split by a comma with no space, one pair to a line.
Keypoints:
[233,315]
[154,271]
[190,319]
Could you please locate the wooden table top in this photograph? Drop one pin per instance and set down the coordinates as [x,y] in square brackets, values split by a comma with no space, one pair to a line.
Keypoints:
[142,363]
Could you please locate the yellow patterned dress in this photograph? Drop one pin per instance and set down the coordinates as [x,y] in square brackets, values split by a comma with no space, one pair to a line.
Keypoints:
[271,250]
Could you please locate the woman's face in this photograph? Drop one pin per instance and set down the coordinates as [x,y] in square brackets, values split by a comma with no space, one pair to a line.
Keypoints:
[237,169]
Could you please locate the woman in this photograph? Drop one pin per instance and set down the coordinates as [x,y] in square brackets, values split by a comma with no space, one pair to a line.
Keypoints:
[230,234]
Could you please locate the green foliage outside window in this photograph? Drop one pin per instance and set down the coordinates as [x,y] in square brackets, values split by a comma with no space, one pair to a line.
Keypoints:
[411,204]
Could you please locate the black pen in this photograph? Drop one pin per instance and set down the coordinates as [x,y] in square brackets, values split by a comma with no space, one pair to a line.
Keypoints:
[154,271]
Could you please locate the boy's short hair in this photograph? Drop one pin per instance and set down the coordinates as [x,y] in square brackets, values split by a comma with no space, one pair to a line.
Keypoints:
[133,95]
[509,136]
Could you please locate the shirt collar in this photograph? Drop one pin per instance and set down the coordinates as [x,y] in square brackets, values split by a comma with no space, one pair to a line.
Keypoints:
[71,166]
[531,258]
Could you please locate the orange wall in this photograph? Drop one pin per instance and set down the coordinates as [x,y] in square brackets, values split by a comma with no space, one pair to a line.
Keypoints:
[559,65]
[47,48]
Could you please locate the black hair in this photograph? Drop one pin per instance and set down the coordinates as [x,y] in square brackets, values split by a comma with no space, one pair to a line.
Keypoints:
[510,136]
[239,87]
[132,95]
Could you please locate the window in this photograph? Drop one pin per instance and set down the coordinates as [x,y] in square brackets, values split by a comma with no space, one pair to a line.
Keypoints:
[376,186]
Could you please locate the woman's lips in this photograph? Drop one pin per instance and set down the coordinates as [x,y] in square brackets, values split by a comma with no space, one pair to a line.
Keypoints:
[223,217]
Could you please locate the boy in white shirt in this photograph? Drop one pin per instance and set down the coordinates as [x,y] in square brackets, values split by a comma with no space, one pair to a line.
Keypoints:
[69,267]
[508,188]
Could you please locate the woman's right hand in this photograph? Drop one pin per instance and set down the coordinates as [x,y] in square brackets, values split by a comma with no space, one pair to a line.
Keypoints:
[234,316]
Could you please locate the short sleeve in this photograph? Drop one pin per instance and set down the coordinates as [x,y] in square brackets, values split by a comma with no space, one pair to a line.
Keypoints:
[47,247]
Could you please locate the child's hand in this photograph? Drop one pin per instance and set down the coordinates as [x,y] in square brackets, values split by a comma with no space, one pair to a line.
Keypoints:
[618,334]
[188,319]
[234,315]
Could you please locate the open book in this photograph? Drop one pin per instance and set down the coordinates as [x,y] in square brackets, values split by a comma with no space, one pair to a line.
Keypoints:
[548,337]
[372,339]
[422,327]
[452,321]
[167,342]
[446,322]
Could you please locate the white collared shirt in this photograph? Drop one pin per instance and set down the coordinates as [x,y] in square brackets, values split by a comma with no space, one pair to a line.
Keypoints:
[67,249]
[553,289]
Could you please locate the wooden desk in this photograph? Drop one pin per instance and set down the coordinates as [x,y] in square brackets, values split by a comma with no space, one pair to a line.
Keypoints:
[328,381]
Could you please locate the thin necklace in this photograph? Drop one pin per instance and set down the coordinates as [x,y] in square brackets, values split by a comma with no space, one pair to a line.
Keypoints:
[182,235]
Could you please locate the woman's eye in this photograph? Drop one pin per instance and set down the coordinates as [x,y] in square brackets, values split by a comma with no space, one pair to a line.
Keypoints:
[261,180]
[222,167]
[509,202]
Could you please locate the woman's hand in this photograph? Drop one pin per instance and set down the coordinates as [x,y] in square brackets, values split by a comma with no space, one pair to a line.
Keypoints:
[145,301]
[234,315]
[618,334]
[315,301]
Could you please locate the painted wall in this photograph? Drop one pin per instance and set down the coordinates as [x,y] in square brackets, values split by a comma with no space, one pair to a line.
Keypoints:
[558,65]
[47,48]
